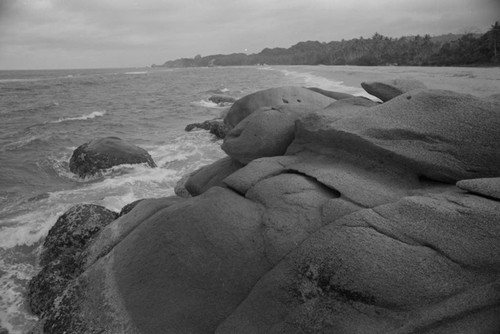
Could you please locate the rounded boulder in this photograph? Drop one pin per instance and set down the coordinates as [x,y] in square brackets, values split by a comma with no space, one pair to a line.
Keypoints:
[265,133]
[103,153]
[292,96]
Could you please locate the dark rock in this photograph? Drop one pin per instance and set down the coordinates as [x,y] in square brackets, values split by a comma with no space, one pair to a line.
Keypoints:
[214,126]
[74,229]
[61,252]
[386,90]
[101,154]
[222,100]
[294,97]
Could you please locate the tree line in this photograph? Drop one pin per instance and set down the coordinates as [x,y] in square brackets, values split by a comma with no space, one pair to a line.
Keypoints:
[447,50]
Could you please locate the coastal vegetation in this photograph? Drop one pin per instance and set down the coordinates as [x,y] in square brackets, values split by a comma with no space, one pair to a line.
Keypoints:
[469,49]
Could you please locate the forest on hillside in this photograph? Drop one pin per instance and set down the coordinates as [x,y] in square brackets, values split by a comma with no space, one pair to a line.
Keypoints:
[446,50]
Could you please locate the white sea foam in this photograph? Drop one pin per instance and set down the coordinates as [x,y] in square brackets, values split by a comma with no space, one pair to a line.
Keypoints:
[92,115]
[311,80]
[205,104]
[13,303]
[20,143]
[138,72]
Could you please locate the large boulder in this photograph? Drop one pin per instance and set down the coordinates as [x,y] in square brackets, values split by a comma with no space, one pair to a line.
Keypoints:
[103,153]
[292,96]
[265,133]
[386,90]
[61,252]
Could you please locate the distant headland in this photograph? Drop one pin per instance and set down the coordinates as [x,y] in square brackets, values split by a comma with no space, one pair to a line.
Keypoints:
[470,49]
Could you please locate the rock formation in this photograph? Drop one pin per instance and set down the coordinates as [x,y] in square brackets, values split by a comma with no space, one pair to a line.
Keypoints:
[214,126]
[294,97]
[353,223]
[103,153]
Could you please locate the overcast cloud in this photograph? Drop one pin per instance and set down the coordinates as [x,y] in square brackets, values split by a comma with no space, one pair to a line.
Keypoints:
[127,33]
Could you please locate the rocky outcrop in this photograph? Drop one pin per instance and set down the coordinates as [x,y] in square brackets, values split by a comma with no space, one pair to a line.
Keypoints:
[214,126]
[103,153]
[270,130]
[386,90]
[358,226]
[294,97]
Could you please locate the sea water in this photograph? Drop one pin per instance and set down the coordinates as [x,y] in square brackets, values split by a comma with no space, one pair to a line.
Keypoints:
[45,115]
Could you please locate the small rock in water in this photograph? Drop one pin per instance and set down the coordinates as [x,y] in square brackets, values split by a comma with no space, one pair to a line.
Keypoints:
[103,153]
[222,100]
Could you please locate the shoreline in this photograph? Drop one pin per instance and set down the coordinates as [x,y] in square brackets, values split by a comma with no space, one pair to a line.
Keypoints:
[466,80]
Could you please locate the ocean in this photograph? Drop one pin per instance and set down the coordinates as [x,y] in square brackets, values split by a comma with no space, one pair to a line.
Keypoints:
[45,115]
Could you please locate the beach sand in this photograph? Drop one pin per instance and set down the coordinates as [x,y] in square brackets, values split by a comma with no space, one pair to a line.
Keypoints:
[468,80]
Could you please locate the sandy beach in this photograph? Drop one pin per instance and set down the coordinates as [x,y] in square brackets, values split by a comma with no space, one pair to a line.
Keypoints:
[479,81]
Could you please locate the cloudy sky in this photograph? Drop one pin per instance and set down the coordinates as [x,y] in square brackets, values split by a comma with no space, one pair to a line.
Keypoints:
[39,34]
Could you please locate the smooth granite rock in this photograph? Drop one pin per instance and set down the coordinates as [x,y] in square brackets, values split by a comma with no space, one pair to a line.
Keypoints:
[420,265]
[265,133]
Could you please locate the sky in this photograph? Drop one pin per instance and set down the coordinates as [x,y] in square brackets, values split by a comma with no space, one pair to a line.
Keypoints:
[56,34]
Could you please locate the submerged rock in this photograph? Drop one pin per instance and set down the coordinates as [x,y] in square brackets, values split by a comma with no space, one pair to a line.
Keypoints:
[101,154]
